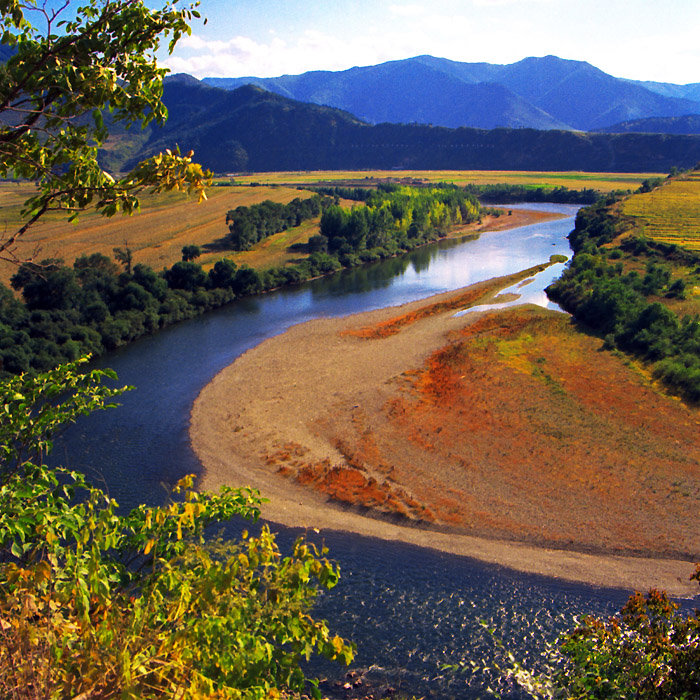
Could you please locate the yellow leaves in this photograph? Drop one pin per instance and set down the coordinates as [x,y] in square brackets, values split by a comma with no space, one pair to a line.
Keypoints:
[148,547]
[184,484]
[42,571]
[338,644]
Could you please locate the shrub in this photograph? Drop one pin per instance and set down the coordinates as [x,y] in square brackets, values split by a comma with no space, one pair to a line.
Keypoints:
[98,604]
[650,651]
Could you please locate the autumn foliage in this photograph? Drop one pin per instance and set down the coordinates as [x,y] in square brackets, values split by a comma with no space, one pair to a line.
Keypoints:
[523,427]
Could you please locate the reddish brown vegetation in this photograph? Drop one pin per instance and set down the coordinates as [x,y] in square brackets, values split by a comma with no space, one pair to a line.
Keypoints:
[523,428]
[349,484]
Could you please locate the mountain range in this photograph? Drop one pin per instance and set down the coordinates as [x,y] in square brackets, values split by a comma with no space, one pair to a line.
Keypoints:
[539,93]
[252,129]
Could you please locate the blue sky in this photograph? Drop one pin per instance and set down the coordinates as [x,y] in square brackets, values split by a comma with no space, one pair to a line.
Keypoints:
[640,39]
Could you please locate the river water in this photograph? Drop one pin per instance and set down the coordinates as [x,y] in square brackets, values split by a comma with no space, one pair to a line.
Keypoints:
[409,610]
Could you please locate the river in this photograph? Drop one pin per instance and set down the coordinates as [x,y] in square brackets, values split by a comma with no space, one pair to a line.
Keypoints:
[410,611]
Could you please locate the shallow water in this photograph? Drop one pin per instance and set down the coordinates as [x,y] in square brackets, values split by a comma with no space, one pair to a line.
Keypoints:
[409,610]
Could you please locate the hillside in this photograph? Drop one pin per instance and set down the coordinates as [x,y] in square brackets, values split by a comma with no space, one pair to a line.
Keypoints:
[669,214]
[689,124]
[635,279]
[540,93]
[256,130]
[403,93]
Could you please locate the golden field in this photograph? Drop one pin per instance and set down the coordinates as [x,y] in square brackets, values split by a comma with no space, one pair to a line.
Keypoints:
[155,235]
[167,222]
[669,214]
[604,182]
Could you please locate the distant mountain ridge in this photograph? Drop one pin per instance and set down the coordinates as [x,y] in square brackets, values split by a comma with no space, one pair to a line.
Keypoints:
[689,124]
[539,93]
[251,129]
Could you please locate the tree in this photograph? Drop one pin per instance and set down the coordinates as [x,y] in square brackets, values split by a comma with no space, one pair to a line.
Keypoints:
[70,66]
[94,603]
[185,275]
[190,252]
[649,651]
[317,244]
[124,256]
[223,274]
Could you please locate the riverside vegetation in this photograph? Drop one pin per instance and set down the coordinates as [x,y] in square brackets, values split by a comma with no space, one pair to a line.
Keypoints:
[630,283]
[95,306]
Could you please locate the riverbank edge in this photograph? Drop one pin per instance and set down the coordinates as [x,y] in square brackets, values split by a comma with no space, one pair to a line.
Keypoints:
[294,506]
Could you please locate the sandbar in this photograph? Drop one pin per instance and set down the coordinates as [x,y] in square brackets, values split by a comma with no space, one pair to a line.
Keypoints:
[265,419]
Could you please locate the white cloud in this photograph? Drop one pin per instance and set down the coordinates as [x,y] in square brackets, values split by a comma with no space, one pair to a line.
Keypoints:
[312,50]
[503,3]
[495,31]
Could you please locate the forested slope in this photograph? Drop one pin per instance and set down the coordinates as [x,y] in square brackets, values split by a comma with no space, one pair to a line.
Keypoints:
[637,289]
[251,129]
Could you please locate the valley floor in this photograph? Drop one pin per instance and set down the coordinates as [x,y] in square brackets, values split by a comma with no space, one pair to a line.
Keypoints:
[509,436]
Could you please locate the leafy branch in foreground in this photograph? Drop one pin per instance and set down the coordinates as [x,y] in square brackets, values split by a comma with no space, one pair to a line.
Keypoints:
[98,604]
[62,78]
[650,651]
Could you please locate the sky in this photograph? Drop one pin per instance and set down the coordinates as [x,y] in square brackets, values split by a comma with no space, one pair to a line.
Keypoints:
[638,39]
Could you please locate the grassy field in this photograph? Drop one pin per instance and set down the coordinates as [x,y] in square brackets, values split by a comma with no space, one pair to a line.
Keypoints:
[605,182]
[278,250]
[155,235]
[167,222]
[670,214]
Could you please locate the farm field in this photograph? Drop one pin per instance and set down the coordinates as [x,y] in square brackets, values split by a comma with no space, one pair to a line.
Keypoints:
[169,221]
[605,182]
[669,214]
[155,235]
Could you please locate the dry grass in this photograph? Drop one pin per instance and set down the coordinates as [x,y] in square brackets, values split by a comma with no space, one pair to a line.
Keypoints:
[155,235]
[605,182]
[274,251]
[521,427]
[669,214]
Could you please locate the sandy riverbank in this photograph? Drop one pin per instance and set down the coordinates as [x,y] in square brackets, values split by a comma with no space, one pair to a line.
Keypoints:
[303,417]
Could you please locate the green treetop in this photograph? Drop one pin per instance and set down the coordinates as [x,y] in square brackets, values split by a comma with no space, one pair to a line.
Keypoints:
[69,66]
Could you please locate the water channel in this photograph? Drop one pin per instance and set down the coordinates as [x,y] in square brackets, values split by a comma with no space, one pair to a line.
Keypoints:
[409,610]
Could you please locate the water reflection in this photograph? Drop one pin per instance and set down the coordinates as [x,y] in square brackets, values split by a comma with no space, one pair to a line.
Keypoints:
[362,279]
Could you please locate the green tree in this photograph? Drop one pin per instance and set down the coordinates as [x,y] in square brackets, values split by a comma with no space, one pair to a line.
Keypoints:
[185,275]
[223,274]
[190,252]
[68,67]
[94,603]
[124,256]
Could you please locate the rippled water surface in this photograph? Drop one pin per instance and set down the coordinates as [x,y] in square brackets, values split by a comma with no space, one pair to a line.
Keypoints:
[410,611]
